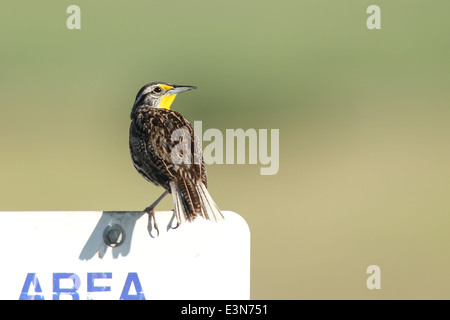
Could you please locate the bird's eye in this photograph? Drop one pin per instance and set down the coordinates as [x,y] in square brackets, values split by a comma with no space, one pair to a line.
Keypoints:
[157,90]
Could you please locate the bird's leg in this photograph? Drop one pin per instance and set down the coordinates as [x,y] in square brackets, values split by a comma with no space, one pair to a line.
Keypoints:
[151,209]
[154,204]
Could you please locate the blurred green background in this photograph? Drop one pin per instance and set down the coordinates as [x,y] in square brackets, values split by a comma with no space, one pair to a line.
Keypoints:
[363,116]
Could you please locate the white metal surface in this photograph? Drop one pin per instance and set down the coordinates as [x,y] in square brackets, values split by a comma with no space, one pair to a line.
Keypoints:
[63,255]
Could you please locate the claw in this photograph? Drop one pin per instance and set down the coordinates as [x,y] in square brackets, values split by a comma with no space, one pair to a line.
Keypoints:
[171,221]
[178,224]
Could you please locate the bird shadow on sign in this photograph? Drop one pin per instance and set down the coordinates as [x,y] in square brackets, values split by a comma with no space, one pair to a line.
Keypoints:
[96,242]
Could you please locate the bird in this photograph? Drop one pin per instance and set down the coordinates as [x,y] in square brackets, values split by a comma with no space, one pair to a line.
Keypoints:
[166,152]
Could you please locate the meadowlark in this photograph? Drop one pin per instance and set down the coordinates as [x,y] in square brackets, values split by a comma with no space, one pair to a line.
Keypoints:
[165,151]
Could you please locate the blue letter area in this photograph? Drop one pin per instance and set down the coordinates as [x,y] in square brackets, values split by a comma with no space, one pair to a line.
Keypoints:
[31,279]
[132,278]
[57,290]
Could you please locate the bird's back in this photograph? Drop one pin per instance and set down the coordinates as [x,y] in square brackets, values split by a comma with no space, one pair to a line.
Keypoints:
[156,147]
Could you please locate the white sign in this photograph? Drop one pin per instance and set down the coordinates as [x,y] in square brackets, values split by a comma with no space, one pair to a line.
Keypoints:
[118,255]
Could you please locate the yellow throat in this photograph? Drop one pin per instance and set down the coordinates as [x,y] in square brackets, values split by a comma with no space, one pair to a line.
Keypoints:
[167,100]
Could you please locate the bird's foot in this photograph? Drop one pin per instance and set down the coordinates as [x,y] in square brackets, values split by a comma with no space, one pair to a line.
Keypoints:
[173,223]
[151,212]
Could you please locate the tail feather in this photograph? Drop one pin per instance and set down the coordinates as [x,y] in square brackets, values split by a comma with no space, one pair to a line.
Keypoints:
[178,209]
[190,201]
[210,210]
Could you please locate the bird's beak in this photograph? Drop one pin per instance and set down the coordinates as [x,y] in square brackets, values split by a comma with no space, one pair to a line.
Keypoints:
[169,96]
[179,89]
